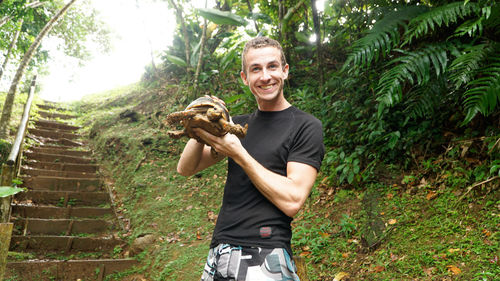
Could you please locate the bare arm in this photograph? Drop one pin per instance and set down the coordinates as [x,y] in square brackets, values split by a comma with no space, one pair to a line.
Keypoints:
[195,157]
[288,193]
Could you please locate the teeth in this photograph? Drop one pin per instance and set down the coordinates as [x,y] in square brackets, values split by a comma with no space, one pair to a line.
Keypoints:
[266,87]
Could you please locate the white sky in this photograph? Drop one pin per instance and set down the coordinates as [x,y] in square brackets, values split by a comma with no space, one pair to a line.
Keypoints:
[135,28]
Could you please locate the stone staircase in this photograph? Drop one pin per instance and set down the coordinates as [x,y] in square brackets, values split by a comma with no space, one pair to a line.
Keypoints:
[64,224]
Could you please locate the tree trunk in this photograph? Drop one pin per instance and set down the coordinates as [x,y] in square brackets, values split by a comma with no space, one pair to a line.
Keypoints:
[319,54]
[200,57]
[9,100]
[187,48]
[250,9]
[280,20]
[11,47]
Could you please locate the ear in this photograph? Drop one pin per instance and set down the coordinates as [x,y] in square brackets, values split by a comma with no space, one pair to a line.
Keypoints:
[285,71]
[244,78]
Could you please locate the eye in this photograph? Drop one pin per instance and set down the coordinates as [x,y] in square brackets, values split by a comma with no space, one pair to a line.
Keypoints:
[273,66]
[255,69]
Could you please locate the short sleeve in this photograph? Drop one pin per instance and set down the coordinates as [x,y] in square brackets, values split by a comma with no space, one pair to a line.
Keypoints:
[307,143]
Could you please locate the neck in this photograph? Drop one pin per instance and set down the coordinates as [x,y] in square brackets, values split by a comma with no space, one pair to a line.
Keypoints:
[274,106]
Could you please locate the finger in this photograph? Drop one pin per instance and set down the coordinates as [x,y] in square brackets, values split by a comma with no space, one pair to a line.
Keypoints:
[204,135]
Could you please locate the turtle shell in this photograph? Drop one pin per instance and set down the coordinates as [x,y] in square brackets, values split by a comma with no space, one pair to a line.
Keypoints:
[204,103]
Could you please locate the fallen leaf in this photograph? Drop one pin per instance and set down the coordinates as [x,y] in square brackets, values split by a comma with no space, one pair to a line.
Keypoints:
[494,259]
[324,234]
[340,276]
[423,182]
[389,195]
[451,251]
[378,269]
[431,195]
[198,235]
[429,271]
[392,221]
[211,216]
[304,254]
[394,257]
[440,257]
[345,255]
[486,232]
[455,270]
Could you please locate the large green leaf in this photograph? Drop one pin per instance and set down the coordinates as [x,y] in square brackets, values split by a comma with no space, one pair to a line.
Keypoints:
[8,191]
[176,60]
[222,17]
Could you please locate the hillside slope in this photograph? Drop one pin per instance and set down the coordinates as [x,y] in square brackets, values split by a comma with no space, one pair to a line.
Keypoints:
[422,224]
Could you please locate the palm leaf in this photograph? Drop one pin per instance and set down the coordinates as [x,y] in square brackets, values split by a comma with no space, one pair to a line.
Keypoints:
[222,17]
[382,38]
[423,101]
[440,16]
[483,94]
[414,68]
[463,68]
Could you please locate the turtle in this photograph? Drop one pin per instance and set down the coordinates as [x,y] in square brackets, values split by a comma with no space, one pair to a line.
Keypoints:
[206,113]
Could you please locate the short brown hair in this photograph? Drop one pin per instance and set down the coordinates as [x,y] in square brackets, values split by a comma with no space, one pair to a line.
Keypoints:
[261,42]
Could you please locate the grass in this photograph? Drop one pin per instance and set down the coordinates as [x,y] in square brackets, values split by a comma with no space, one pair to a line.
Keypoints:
[422,228]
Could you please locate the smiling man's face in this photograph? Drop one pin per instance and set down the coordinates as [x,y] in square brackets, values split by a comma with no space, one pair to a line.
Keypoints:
[265,76]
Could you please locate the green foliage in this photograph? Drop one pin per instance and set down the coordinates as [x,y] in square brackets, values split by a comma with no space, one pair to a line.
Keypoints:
[440,16]
[9,191]
[483,93]
[222,17]
[414,65]
[383,37]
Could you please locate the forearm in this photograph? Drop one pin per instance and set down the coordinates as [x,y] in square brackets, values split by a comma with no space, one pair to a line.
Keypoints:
[285,192]
[189,162]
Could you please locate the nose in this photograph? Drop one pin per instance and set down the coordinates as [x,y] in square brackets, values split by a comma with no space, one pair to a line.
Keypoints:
[265,74]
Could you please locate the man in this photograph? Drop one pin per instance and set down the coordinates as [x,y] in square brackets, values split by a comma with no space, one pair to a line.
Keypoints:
[270,174]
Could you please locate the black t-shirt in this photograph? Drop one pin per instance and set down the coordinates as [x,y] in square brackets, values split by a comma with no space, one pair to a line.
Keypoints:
[274,138]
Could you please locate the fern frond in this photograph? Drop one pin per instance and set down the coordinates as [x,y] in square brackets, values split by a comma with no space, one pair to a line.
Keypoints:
[471,27]
[415,68]
[383,36]
[439,16]
[483,94]
[423,101]
[463,67]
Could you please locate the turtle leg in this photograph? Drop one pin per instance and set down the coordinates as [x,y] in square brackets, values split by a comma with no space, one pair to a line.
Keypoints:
[177,134]
[235,129]
[177,117]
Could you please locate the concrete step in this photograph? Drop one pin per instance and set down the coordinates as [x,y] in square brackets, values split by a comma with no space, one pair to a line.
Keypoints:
[62,198]
[50,124]
[69,167]
[25,170]
[44,243]
[53,115]
[57,158]
[49,270]
[36,226]
[51,141]
[46,212]
[60,150]
[54,134]
[50,106]
[62,184]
